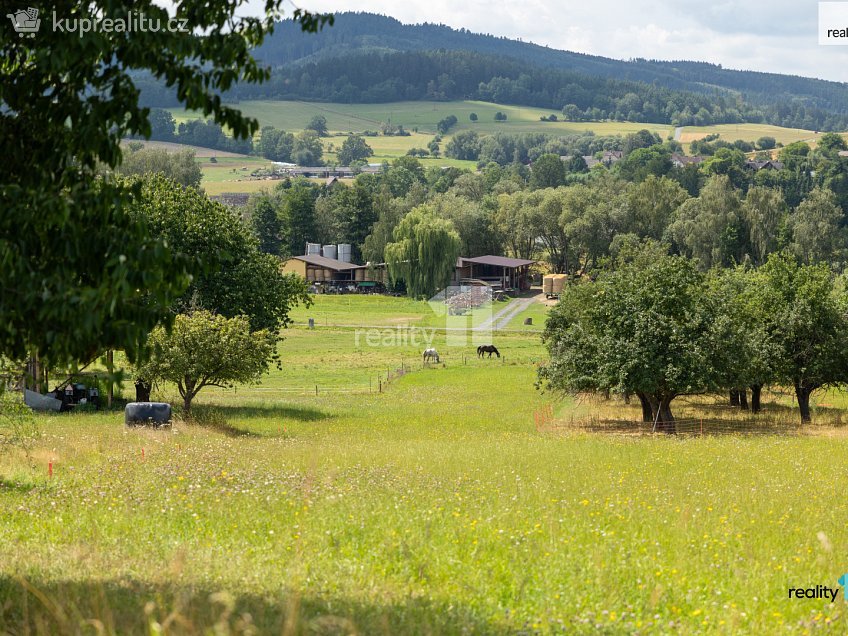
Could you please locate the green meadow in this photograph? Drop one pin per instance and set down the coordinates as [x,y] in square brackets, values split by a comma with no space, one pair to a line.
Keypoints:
[358,491]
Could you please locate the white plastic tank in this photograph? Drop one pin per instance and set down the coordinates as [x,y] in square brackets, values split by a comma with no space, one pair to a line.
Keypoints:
[330,252]
[344,252]
[313,248]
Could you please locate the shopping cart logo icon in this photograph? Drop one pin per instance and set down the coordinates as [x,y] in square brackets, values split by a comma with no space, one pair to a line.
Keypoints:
[25,21]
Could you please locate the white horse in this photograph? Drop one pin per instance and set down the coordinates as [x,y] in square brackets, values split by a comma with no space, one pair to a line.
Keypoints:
[431,354]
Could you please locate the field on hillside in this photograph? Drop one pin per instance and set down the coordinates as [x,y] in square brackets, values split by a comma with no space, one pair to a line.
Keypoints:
[748,132]
[420,119]
[428,504]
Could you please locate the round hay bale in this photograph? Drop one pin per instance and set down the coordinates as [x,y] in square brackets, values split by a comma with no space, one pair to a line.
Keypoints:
[147,414]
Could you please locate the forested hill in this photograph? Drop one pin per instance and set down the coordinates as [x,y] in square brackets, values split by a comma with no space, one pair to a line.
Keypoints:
[367,31]
[368,58]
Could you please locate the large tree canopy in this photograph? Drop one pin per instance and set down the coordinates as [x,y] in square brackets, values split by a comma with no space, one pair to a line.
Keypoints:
[204,349]
[72,257]
[237,278]
[647,328]
[424,252]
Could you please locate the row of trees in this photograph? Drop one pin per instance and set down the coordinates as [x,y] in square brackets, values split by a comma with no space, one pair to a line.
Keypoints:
[658,328]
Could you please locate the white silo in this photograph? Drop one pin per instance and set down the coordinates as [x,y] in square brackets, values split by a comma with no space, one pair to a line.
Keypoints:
[313,248]
[330,252]
[344,252]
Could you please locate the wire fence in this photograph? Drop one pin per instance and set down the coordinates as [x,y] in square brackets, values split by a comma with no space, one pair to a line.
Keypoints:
[546,422]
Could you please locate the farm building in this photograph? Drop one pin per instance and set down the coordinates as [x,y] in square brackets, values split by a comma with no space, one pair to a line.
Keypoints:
[317,268]
[498,271]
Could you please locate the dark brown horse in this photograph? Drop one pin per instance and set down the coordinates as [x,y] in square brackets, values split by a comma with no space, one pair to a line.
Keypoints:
[490,349]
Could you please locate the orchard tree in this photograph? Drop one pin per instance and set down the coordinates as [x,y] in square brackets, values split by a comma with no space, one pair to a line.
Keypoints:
[424,252]
[353,149]
[805,320]
[647,328]
[76,262]
[206,349]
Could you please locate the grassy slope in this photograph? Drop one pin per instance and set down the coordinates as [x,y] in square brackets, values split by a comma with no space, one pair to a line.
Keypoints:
[433,507]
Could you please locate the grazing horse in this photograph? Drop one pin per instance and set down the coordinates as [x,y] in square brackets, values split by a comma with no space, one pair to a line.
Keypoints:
[431,354]
[490,349]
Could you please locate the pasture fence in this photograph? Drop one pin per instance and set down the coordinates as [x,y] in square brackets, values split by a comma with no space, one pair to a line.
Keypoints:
[545,422]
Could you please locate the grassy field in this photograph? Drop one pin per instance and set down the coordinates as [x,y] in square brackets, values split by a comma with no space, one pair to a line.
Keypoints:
[749,132]
[427,504]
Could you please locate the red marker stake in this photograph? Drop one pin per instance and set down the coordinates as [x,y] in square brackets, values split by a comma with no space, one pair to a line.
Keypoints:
[142,454]
[50,469]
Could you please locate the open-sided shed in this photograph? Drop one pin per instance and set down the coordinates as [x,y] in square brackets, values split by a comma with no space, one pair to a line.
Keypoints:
[508,272]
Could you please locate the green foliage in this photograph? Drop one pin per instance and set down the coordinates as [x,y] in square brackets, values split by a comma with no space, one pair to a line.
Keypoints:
[646,328]
[473,116]
[205,349]
[464,145]
[805,319]
[18,429]
[353,149]
[75,264]
[424,252]
[266,223]
[766,143]
[818,232]
[548,171]
[275,144]
[447,123]
[177,166]
[236,279]
[500,116]
[307,149]
[318,124]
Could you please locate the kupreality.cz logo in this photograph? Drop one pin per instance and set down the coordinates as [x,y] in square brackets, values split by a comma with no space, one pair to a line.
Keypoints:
[27,23]
[821,591]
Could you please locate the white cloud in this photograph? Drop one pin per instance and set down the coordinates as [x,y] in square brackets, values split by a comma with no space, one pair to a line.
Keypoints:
[774,36]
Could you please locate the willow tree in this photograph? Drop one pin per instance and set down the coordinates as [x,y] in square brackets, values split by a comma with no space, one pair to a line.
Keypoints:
[424,252]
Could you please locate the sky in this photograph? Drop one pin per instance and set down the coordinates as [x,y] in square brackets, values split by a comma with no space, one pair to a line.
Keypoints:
[776,35]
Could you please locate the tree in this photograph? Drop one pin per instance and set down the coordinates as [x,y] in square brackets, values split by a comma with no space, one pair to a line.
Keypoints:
[499,116]
[76,262]
[178,166]
[548,171]
[464,145]
[473,117]
[766,143]
[424,252]
[298,214]
[710,228]
[447,123]
[653,204]
[817,231]
[237,279]
[647,328]
[205,349]
[806,322]
[275,145]
[318,124]
[307,149]
[353,149]
[263,211]
[765,212]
